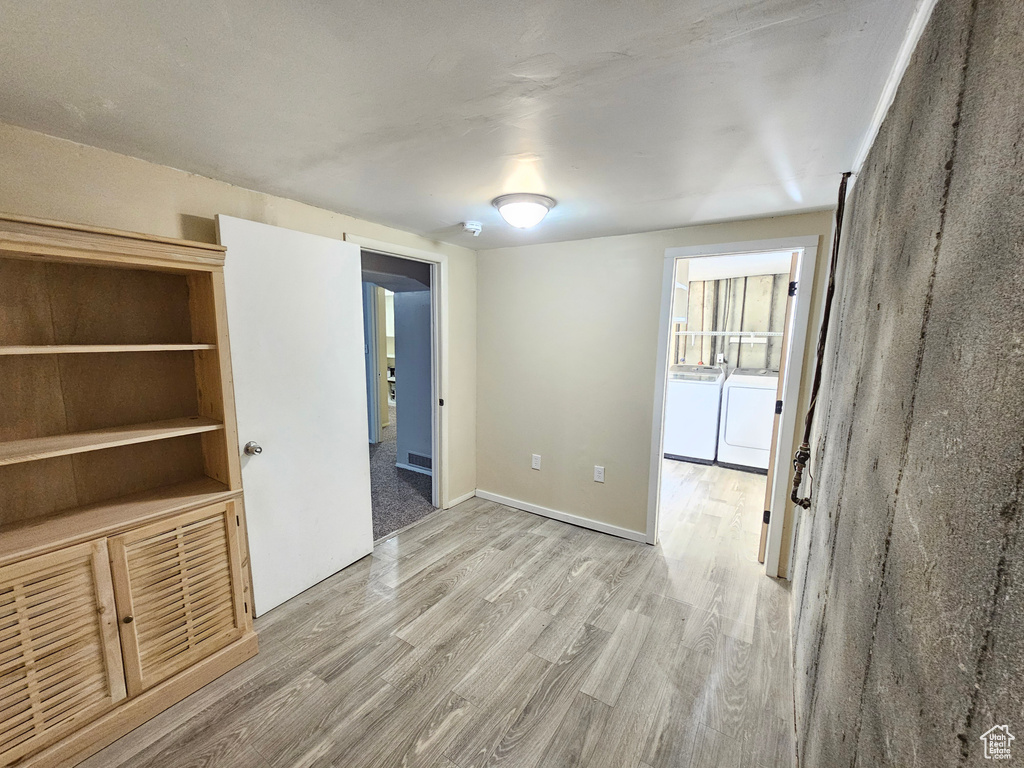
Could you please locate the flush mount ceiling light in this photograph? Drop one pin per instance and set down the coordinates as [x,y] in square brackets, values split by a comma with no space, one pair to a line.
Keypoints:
[523,210]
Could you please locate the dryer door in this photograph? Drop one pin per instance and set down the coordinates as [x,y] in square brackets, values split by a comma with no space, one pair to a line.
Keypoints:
[749,417]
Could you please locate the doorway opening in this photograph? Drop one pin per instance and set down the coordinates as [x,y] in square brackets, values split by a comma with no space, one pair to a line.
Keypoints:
[398,325]
[732,359]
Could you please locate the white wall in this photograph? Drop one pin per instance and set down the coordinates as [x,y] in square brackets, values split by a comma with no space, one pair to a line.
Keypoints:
[412,374]
[389,321]
[739,265]
[56,179]
[681,291]
[567,348]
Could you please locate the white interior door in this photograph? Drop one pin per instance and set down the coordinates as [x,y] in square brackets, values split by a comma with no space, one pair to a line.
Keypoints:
[295,314]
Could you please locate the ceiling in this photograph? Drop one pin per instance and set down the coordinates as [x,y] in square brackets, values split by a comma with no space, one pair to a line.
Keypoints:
[635,115]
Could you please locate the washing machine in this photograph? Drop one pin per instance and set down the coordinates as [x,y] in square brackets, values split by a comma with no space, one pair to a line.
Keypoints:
[748,415]
[691,412]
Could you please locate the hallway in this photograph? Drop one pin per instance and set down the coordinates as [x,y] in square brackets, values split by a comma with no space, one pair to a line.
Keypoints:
[400,496]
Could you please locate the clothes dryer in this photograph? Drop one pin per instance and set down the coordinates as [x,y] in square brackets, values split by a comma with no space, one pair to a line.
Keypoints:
[748,415]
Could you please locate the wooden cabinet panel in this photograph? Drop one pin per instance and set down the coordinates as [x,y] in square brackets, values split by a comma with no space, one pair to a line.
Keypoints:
[60,659]
[178,585]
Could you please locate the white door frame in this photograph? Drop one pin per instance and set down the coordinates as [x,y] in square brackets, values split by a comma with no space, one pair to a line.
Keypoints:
[438,353]
[808,245]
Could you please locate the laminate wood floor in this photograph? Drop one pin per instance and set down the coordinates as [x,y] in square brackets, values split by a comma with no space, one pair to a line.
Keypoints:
[486,636]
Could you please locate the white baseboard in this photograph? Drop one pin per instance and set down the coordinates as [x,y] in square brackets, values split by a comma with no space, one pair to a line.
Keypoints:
[411,468]
[464,497]
[564,517]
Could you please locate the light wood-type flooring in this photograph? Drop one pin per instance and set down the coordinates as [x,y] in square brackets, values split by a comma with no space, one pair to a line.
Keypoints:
[486,636]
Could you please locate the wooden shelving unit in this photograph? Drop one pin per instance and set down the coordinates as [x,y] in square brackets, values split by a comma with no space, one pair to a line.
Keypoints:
[79,349]
[117,441]
[34,449]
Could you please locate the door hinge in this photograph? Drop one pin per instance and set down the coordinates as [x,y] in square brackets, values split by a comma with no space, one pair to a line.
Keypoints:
[247,607]
[440,401]
[238,521]
[792,288]
[767,516]
[778,407]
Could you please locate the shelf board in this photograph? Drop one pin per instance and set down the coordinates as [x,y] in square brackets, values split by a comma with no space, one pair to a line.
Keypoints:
[94,521]
[34,449]
[77,349]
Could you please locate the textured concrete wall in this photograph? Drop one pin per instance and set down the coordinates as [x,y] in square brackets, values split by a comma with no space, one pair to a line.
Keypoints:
[909,593]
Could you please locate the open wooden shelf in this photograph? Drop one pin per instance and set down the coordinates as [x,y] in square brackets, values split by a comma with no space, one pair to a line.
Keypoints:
[107,518]
[73,349]
[87,507]
[33,449]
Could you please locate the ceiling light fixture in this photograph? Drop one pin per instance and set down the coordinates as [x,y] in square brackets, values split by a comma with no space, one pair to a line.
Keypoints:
[523,210]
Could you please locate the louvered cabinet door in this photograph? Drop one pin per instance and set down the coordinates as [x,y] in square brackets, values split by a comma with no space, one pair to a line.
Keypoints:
[60,658]
[178,586]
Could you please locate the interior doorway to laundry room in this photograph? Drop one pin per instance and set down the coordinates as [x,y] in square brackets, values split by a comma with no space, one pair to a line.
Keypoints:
[730,356]
[398,324]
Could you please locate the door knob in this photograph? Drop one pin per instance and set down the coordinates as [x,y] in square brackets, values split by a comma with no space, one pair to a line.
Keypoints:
[252,448]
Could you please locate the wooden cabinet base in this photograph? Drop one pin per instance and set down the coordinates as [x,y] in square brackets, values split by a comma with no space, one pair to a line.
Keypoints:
[134,712]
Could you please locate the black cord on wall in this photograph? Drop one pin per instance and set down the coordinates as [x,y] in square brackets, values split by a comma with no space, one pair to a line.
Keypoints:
[803,455]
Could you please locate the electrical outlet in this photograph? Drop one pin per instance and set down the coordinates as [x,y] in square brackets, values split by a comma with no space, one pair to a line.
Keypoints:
[535,464]
[720,359]
[598,474]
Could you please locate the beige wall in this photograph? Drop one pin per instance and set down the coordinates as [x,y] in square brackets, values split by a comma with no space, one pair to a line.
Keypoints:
[460,402]
[567,346]
[55,179]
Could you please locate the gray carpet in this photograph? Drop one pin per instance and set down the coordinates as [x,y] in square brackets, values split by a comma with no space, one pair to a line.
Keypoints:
[400,497]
